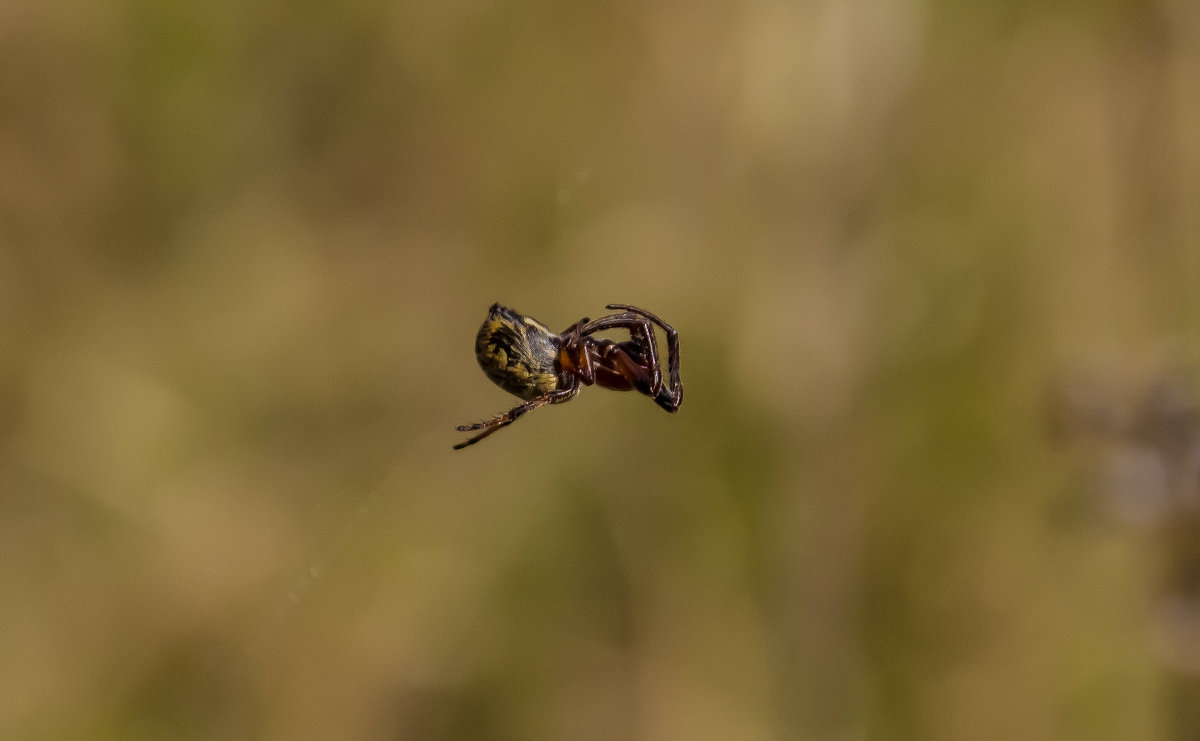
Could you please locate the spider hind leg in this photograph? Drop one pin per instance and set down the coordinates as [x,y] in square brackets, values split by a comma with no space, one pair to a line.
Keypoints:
[512,415]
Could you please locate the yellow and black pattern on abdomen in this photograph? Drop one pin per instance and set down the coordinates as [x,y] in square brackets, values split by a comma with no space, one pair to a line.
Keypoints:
[519,354]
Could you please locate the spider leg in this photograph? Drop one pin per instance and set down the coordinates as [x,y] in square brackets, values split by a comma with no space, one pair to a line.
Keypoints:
[642,333]
[573,344]
[512,415]
[629,360]
[667,398]
[574,328]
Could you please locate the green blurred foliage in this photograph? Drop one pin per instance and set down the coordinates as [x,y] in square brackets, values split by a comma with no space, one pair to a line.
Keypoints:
[244,249]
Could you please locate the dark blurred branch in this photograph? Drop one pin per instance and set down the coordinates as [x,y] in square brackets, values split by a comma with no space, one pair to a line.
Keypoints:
[1151,462]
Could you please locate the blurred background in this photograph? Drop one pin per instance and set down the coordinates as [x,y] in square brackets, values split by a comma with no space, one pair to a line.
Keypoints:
[935,266]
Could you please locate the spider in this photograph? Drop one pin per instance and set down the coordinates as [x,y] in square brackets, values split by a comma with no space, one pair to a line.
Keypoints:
[526,359]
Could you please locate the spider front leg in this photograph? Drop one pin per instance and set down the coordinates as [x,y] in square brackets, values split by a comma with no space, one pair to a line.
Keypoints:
[667,398]
[512,415]
[642,335]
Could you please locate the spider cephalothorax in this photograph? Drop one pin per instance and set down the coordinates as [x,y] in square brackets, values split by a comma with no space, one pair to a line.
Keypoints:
[526,359]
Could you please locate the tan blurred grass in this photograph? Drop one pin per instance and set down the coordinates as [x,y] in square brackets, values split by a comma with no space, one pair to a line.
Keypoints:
[245,252]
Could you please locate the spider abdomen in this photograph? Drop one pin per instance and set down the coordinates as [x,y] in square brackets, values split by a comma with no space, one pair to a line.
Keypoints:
[519,354]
